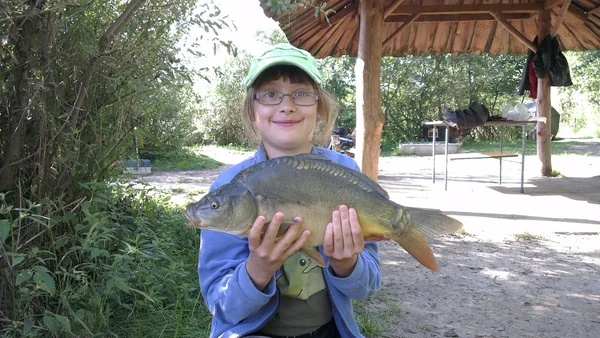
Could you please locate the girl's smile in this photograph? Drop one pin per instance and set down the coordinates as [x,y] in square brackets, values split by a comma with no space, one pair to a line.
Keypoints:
[286,128]
[287,123]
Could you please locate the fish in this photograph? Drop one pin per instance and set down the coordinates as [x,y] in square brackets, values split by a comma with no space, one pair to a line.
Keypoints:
[312,186]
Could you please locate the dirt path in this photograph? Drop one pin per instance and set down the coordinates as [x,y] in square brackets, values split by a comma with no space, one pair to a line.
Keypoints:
[526,265]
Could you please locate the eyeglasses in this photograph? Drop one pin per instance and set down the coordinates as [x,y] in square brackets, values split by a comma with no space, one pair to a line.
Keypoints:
[300,98]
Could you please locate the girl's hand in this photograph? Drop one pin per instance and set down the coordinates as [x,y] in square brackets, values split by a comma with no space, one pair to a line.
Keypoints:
[268,255]
[343,241]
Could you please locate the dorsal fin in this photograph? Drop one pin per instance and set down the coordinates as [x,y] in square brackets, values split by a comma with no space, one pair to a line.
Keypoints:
[317,162]
[320,162]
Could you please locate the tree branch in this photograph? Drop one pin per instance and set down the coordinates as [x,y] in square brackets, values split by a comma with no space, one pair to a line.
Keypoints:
[115,28]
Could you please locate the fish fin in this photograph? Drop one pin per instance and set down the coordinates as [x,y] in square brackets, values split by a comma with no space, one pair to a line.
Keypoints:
[317,157]
[413,241]
[314,255]
[283,228]
[432,222]
[376,238]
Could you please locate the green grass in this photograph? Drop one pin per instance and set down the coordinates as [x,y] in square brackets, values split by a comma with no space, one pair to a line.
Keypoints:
[463,232]
[184,159]
[559,147]
[241,148]
[375,321]
[529,237]
[190,319]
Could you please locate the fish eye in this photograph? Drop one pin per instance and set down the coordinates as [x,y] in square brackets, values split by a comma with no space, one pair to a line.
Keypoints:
[214,205]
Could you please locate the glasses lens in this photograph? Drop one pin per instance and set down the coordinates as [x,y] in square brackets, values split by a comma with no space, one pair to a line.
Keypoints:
[275,98]
[304,99]
[270,98]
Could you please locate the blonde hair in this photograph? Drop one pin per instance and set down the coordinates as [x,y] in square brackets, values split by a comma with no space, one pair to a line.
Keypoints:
[327,106]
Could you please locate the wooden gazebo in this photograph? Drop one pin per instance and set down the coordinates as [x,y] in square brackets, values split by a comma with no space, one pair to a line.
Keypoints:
[370,29]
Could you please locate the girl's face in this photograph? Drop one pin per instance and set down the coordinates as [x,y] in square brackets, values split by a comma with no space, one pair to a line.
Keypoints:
[285,128]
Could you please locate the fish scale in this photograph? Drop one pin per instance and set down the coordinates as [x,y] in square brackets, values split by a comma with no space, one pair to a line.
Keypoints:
[312,187]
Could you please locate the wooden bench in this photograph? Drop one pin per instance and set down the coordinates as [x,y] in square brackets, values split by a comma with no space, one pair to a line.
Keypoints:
[476,156]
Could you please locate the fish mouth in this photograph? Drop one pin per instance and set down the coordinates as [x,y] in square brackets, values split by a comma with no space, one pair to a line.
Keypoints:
[194,223]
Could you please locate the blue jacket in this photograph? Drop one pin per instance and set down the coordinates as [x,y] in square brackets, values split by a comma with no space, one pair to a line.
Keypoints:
[238,308]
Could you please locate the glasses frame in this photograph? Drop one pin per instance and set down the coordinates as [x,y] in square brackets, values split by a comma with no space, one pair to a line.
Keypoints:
[282,95]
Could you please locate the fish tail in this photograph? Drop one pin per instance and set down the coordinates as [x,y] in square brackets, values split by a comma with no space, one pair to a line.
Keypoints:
[432,222]
[415,244]
[419,224]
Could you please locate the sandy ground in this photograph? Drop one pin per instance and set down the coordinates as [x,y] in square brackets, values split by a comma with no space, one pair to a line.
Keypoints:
[526,265]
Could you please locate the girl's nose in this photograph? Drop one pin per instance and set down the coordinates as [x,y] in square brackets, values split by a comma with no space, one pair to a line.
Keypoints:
[287,105]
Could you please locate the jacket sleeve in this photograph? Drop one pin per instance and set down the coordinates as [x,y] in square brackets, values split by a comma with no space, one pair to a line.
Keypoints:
[365,279]
[229,293]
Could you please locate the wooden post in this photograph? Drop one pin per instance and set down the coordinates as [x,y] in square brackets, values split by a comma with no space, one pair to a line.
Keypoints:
[369,120]
[543,103]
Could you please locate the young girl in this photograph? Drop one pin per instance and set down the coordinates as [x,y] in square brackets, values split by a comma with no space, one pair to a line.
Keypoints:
[257,287]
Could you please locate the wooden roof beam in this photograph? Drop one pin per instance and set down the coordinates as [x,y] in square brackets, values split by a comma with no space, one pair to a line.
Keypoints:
[392,7]
[400,29]
[469,8]
[341,14]
[592,11]
[513,31]
[579,14]
[457,17]
[549,4]
[561,16]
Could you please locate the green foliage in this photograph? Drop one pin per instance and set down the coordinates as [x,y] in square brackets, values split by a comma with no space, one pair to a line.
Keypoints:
[98,265]
[291,7]
[339,79]
[137,93]
[184,159]
[219,118]
[417,89]
[579,105]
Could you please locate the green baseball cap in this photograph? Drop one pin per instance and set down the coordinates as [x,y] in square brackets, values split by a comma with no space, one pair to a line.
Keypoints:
[283,54]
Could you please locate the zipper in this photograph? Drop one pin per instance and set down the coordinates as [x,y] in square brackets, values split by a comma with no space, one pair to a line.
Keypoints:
[335,310]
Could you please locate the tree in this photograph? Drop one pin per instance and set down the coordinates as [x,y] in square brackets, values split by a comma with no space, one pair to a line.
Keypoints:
[219,118]
[417,89]
[579,104]
[339,79]
[80,84]
[77,80]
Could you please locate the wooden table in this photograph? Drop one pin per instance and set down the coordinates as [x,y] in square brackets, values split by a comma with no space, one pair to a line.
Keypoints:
[498,155]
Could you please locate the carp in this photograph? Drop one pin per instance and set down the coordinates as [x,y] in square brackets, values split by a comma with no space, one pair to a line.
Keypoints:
[312,186]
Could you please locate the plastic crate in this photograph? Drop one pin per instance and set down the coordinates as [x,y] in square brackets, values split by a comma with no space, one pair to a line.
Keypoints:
[138,167]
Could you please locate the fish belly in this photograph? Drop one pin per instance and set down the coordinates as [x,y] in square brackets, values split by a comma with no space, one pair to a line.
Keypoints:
[316,218]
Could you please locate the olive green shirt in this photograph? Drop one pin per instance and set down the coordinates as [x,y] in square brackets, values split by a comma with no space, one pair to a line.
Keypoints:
[305,304]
